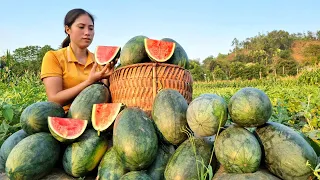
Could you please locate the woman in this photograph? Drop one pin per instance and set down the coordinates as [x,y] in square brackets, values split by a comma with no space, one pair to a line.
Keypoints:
[67,71]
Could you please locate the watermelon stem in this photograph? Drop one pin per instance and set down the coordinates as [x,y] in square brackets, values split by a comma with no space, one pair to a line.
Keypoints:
[98,132]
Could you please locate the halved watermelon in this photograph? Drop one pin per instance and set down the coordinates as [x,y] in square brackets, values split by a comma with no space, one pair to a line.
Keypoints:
[159,50]
[66,129]
[104,114]
[106,54]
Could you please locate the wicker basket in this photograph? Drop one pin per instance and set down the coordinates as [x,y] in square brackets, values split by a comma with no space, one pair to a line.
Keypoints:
[137,85]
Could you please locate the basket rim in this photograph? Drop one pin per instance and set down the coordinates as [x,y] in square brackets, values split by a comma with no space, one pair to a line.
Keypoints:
[150,64]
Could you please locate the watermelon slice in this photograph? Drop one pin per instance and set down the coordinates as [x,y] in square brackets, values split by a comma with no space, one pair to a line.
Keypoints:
[66,129]
[104,114]
[159,50]
[106,54]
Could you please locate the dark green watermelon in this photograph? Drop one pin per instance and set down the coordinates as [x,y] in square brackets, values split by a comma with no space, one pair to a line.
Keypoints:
[133,51]
[169,114]
[286,151]
[81,107]
[8,145]
[33,157]
[260,174]
[34,118]
[250,107]
[179,57]
[184,164]
[206,114]
[110,167]
[136,175]
[238,150]
[156,169]
[135,138]
[84,155]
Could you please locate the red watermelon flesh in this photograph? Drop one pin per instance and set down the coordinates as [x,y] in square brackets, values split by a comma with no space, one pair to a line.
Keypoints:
[159,50]
[66,129]
[106,54]
[104,114]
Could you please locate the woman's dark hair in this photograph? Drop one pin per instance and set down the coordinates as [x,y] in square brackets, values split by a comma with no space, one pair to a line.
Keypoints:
[69,19]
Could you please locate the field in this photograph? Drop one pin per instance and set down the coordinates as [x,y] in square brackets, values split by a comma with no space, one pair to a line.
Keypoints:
[296,101]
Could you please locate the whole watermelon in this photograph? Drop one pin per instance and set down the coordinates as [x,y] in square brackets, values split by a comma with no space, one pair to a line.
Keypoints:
[135,139]
[169,114]
[8,145]
[34,118]
[156,169]
[238,150]
[286,151]
[250,107]
[33,157]
[206,114]
[186,162]
[179,57]
[133,51]
[110,167]
[82,156]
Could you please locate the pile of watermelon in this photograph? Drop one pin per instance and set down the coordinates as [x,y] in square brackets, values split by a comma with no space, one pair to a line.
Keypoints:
[142,49]
[206,139]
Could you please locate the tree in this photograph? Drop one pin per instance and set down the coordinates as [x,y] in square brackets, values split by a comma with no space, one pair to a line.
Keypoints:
[28,53]
[219,74]
[318,35]
[196,71]
[235,43]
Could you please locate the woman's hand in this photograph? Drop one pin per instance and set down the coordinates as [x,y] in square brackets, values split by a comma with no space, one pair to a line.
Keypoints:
[95,76]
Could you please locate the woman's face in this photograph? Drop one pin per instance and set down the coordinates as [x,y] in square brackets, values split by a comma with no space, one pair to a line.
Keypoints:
[82,31]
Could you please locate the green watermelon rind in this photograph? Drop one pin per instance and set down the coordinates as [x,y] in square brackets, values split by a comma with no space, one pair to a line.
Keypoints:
[33,118]
[286,151]
[186,161]
[33,157]
[238,150]
[169,115]
[206,114]
[110,168]
[8,145]
[157,168]
[250,107]
[135,139]
[133,51]
[82,156]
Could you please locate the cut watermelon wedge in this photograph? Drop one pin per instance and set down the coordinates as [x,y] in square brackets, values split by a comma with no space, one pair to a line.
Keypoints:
[159,50]
[66,129]
[104,114]
[106,54]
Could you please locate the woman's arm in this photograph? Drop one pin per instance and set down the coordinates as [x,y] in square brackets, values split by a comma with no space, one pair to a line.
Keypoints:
[55,92]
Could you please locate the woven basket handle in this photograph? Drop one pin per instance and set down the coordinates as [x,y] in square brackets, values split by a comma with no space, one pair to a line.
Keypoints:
[154,80]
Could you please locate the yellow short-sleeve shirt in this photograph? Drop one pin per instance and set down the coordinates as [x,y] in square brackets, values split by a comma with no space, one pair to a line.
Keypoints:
[63,63]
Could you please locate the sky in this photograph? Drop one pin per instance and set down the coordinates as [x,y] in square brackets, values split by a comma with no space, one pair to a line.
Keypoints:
[202,27]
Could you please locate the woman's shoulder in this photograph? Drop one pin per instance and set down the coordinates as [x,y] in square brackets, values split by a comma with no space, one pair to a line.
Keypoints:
[58,54]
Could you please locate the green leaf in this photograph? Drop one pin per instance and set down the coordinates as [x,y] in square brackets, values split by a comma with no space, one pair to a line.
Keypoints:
[210,172]
[4,127]
[7,113]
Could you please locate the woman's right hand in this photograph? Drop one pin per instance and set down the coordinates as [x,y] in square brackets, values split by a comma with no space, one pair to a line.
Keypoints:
[95,76]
